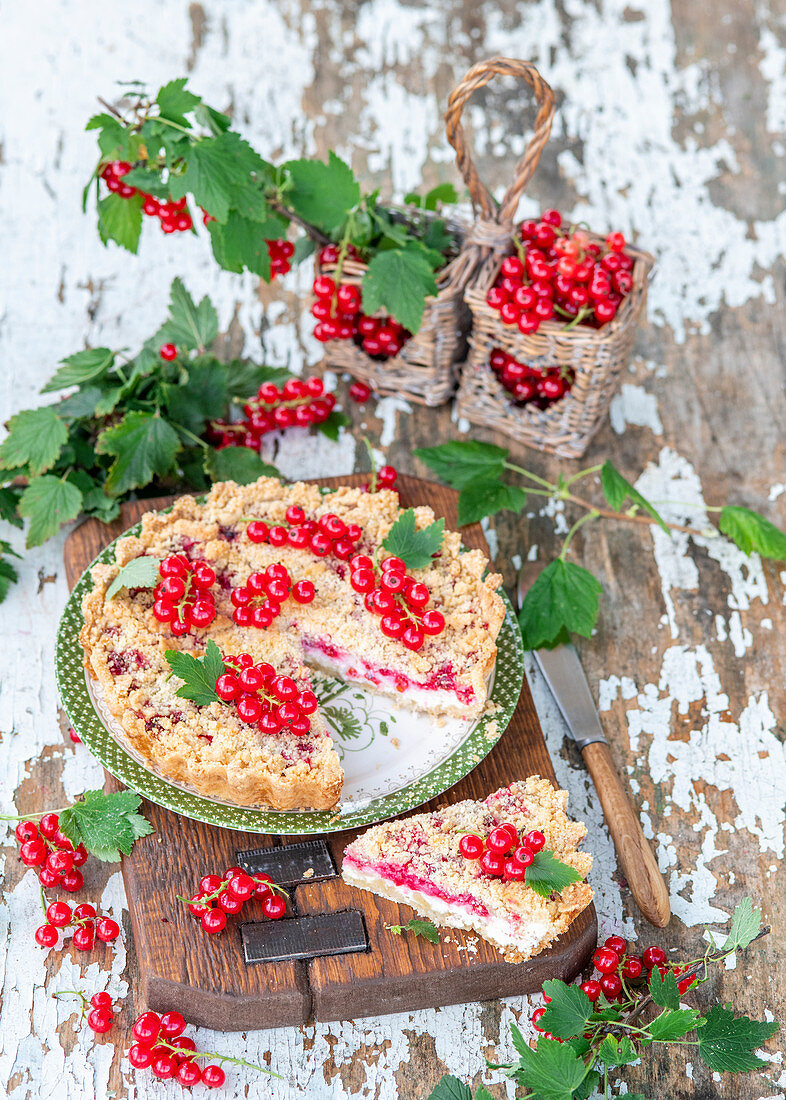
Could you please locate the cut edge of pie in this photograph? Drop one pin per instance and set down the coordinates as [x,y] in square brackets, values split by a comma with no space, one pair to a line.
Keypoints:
[416,861]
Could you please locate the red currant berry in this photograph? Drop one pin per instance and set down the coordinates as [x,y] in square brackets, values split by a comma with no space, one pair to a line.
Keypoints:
[251,679]
[615,242]
[72,881]
[632,968]
[417,595]
[48,878]
[534,840]
[33,852]
[48,825]
[85,911]
[393,581]
[606,961]
[471,846]
[592,989]
[99,1020]
[285,689]
[653,956]
[499,841]
[257,531]
[146,1027]
[227,687]
[616,943]
[229,903]
[513,871]
[536,1017]
[26,830]
[492,863]
[163,1066]
[393,565]
[274,906]
[140,1055]
[432,622]
[307,701]
[524,856]
[249,708]
[62,841]
[46,935]
[241,887]
[168,352]
[362,580]
[361,561]
[213,920]
[386,476]
[59,914]
[303,591]
[360,392]
[83,938]
[213,1077]
[101,1000]
[324,287]
[412,637]
[189,1074]
[391,626]
[172,1025]
[107,929]
[611,986]
[80,855]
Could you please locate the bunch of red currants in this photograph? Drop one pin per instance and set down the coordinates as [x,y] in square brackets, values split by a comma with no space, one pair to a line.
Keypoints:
[339,315]
[503,841]
[541,386]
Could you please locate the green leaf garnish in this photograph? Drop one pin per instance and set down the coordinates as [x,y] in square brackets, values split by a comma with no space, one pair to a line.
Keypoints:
[424,928]
[141,572]
[199,674]
[548,875]
[416,548]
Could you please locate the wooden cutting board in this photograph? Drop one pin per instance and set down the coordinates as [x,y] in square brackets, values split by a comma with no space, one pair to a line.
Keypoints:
[209,977]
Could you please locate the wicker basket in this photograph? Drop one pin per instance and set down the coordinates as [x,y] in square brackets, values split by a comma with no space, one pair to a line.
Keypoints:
[426,368]
[594,357]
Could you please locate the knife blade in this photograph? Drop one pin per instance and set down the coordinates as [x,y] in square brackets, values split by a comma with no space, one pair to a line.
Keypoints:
[568,684]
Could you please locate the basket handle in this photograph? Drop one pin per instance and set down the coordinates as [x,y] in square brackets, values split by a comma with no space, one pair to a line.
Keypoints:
[478,76]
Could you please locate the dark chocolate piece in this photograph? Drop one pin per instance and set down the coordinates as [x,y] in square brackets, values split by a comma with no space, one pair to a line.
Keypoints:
[297,938]
[290,864]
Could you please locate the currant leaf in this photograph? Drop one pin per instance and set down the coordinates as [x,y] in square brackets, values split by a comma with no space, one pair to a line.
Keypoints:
[415,547]
[479,499]
[727,1042]
[745,925]
[84,366]
[552,1071]
[322,194]
[9,502]
[244,377]
[567,1013]
[143,444]
[563,600]
[752,532]
[113,135]
[617,489]
[199,675]
[107,824]
[399,280]
[237,464]
[241,242]
[450,1088]
[332,425]
[218,170]
[425,928]
[120,220]
[616,1052]
[48,503]
[35,439]
[141,572]
[461,463]
[663,990]
[548,875]
[188,325]
[192,403]
[175,101]
[8,574]
[673,1024]
[81,403]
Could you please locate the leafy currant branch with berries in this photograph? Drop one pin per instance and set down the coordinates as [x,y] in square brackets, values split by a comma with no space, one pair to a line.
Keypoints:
[159,151]
[588,1031]
[564,599]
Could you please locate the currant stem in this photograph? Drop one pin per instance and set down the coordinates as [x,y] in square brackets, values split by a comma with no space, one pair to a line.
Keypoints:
[73,993]
[215,1056]
[586,518]
[531,476]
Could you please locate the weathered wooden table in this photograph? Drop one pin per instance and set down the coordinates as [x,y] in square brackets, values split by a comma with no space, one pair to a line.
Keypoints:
[671,127]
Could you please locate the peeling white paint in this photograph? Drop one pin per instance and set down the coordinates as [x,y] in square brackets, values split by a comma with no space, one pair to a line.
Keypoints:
[634,405]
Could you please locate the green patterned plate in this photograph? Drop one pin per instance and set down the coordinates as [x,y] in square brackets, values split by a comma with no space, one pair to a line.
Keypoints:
[393,759]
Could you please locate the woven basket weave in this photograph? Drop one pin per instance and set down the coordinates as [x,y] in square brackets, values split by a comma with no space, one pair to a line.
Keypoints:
[595,357]
[425,370]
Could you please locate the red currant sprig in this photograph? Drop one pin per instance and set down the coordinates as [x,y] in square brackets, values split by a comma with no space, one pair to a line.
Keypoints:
[503,841]
[98,1009]
[280,253]
[339,316]
[84,921]
[258,601]
[160,1045]
[297,404]
[397,598]
[530,384]
[172,213]
[559,271]
[182,596]
[218,897]
[274,703]
[44,846]
[327,535]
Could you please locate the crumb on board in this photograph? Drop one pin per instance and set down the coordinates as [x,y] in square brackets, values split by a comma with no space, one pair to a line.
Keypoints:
[492,731]
[395,742]
[308,873]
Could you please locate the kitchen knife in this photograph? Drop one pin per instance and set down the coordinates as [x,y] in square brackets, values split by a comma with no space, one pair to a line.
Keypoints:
[568,683]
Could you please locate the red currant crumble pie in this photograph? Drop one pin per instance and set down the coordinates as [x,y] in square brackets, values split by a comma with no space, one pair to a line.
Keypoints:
[286,578]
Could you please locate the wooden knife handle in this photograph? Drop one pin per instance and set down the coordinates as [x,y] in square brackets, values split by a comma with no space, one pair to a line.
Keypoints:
[635,855]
